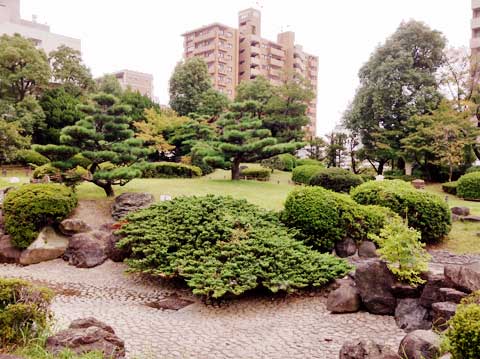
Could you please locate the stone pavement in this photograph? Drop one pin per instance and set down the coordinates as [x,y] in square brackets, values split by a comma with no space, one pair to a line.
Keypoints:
[295,327]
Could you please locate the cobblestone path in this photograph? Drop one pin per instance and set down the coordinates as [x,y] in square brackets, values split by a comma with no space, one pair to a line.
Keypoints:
[296,327]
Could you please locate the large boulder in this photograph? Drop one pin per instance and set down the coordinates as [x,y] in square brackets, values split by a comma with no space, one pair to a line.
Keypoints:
[49,245]
[374,282]
[432,291]
[72,226]
[87,250]
[366,349]
[367,249]
[403,290]
[461,211]
[410,315]
[346,248]
[465,278]
[420,344]
[130,202]
[113,252]
[85,336]
[345,299]
[452,295]
[8,253]
[442,312]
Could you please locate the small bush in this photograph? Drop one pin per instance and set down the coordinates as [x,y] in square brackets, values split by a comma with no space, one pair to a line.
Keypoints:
[256,173]
[284,162]
[401,248]
[322,217]
[336,179]
[309,162]
[34,206]
[303,174]
[223,246]
[463,333]
[46,170]
[169,170]
[473,169]
[23,311]
[468,186]
[450,188]
[425,212]
[31,157]
[367,177]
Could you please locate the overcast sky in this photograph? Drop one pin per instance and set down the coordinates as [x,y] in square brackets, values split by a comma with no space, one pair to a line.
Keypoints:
[145,35]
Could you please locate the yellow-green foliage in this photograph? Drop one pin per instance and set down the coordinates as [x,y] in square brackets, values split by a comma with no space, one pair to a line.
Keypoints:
[23,308]
[33,206]
[401,248]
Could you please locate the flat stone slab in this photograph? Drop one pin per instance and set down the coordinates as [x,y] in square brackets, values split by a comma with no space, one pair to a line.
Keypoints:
[49,245]
[470,219]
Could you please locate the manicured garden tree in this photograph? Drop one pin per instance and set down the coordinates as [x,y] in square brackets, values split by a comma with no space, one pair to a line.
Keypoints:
[109,84]
[105,139]
[11,140]
[245,139]
[138,103]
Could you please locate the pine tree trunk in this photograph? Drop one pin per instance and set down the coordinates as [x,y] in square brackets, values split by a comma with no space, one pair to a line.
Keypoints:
[236,169]
[109,190]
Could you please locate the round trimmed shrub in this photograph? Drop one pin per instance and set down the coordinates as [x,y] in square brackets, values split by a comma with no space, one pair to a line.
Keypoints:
[34,206]
[23,311]
[309,162]
[450,187]
[223,247]
[468,186]
[473,169]
[256,173]
[168,170]
[303,174]
[31,157]
[322,217]
[46,170]
[424,211]
[284,162]
[336,179]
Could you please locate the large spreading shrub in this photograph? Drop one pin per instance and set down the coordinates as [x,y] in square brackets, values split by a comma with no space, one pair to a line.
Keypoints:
[169,170]
[463,333]
[450,187]
[473,169]
[336,179]
[31,157]
[24,311]
[261,174]
[322,217]
[309,162]
[284,162]
[468,186]
[424,211]
[223,246]
[34,206]
[303,174]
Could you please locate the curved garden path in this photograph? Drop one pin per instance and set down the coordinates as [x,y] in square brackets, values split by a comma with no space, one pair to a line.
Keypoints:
[295,327]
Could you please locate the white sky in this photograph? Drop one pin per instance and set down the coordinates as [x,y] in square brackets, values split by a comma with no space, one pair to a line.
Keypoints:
[144,35]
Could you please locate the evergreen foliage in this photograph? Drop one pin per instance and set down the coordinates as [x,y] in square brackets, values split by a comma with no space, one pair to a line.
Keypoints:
[468,186]
[336,179]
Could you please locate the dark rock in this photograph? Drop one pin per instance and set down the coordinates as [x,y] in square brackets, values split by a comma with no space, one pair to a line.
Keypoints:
[87,250]
[402,290]
[420,344]
[461,211]
[114,253]
[431,292]
[345,248]
[452,295]
[367,249]
[73,226]
[130,202]
[8,253]
[410,315]
[374,282]
[465,278]
[456,217]
[87,336]
[442,312]
[366,349]
[471,219]
[345,299]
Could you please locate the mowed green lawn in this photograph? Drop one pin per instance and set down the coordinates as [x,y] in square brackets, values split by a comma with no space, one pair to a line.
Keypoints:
[464,237]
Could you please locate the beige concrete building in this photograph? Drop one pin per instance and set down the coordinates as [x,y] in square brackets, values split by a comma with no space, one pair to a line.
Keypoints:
[136,81]
[475,41]
[247,55]
[11,23]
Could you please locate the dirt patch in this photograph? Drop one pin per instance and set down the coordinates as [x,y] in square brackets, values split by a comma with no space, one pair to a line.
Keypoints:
[172,302]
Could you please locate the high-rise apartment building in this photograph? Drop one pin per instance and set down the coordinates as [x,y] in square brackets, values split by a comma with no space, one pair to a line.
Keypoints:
[236,55]
[11,23]
[136,81]
[475,41]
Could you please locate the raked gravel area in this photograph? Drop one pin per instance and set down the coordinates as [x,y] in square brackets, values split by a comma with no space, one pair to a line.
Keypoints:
[291,327]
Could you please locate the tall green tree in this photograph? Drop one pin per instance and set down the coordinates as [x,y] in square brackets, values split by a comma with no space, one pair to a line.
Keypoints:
[244,139]
[23,68]
[27,113]
[212,103]
[188,83]
[104,137]
[259,89]
[396,83]
[138,103]
[109,84]
[336,150]
[11,140]
[68,70]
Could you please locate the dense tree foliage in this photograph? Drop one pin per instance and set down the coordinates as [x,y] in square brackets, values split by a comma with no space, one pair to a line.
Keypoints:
[109,84]
[11,140]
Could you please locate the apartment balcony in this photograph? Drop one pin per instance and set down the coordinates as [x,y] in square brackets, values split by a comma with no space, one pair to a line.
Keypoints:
[210,35]
[276,63]
[475,43]
[210,58]
[475,4]
[255,72]
[299,65]
[255,50]
[255,61]
[277,52]
[475,23]
[275,73]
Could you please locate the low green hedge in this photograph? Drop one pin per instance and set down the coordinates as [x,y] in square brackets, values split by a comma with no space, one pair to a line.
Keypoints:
[303,174]
[256,173]
[309,162]
[336,179]
[322,217]
[45,170]
[24,311]
[450,187]
[284,162]
[223,247]
[468,186]
[33,206]
[169,170]
[31,157]
[424,211]
[473,169]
